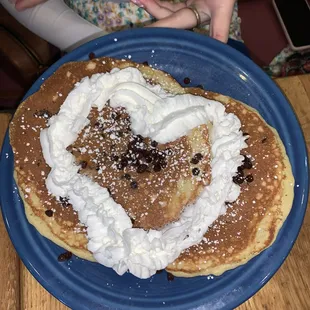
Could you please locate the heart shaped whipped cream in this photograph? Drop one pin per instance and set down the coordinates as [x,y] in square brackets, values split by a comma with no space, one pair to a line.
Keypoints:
[160,116]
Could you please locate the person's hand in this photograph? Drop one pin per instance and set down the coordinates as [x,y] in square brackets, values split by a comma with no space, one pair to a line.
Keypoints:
[21,5]
[179,15]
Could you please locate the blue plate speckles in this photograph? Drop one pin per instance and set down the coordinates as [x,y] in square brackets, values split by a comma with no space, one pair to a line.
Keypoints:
[84,285]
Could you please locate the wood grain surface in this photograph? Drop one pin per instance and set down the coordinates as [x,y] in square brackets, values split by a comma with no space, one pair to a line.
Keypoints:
[288,289]
[9,261]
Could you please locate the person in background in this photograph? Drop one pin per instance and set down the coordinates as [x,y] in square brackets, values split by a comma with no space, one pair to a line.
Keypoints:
[217,18]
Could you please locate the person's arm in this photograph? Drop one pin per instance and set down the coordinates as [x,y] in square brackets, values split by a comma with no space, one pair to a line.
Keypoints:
[56,23]
[180,15]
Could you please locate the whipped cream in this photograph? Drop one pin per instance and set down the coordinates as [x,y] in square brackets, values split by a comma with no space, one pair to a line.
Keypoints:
[162,117]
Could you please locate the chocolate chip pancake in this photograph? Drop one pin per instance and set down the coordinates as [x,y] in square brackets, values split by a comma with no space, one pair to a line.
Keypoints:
[251,223]
[138,164]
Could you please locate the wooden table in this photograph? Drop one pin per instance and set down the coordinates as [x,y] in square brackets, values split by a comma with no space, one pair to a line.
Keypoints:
[286,290]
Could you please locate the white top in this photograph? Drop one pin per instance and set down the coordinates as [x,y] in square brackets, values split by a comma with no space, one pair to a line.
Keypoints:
[56,23]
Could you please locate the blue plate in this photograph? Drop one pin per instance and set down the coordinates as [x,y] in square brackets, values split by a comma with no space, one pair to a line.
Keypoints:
[84,285]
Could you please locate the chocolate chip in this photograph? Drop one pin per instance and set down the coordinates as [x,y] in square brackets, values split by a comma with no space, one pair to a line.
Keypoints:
[196,159]
[126,176]
[64,201]
[83,164]
[139,138]
[115,157]
[238,180]
[240,172]
[131,145]
[124,161]
[129,154]
[249,178]
[97,167]
[264,140]
[43,113]
[49,213]
[157,167]
[97,124]
[145,153]
[200,86]
[187,80]
[132,221]
[134,185]
[159,271]
[199,156]
[145,63]
[64,256]
[154,153]
[142,168]
[139,154]
[170,276]
[114,115]
[161,156]
[130,24]
[247,163]
[148,159]
[168,152]
[195,171]
[119,166]
[245,134]
[154,143]
[91,55]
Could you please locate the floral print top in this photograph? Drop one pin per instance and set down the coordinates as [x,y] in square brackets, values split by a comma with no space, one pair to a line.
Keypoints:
[116,15]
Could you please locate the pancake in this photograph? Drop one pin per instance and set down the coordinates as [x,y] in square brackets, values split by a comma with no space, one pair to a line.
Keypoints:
[247,227]
[251,223]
